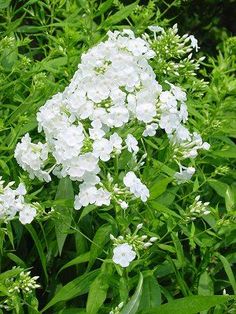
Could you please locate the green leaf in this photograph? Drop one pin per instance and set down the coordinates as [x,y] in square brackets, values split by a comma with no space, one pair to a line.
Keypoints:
[98,290]
[132,306]
[73,289]
[73,310]
[120,15]
[159,187]
[39,247]
[10,273]
[228,271]
[151,295]
[179,249]
[205,285]
[63,222]
[163,209]
[100,239]
[226,152]
[4,4]
[77,260]
[17,260]
[103,7]
[219,187]
[189,305]
[87,210]
[230,199]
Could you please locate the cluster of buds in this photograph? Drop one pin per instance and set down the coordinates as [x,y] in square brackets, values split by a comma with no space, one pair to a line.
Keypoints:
[20,284]
[221,170]
[117,309]
[23,283]
[126,248]
[169,47]
[198,209]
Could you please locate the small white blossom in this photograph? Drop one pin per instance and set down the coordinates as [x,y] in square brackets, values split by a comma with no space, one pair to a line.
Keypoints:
[132,144]
[150,129]
[13,202]
[184,175]
[194,42]
[32,157]
[135,186]
[116,142]
[27,214]
[102,148]
[123,254]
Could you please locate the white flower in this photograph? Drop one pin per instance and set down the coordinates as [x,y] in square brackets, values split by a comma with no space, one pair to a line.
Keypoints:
[132,144]
[123,254]
[78,168]
[27,214]
[86,196]
[123,205]
[31,157]
[97,92]
[91,195]
[116,142]
[135,186]
[103,197]
[156,29]
[118,116]
[12,202]
[102,148]
[169,122]
[178,93]
[184,175]
[150,129]
[145,112]
[96,132]
[194,42]
[181,134]
[21,190]
[68,143]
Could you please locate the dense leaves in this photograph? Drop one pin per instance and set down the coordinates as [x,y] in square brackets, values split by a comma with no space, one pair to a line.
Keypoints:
[193,261]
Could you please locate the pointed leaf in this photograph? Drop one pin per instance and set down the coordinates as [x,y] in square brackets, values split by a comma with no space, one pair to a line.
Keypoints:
[190,305]
[132,306]
[63,222]
[100,239]
[98,290]
[73,289]
[151,295]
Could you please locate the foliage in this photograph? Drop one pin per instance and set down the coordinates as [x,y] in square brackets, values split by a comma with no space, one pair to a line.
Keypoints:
[193,259]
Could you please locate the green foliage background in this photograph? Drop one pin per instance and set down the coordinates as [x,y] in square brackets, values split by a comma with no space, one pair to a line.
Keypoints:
[40,47]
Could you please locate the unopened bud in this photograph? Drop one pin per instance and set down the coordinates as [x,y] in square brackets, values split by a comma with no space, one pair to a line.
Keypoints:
[112,237]
[139,226]
[146,245]
[153,239]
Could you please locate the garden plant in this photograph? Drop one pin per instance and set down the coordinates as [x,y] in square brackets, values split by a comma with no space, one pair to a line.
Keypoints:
[118,127]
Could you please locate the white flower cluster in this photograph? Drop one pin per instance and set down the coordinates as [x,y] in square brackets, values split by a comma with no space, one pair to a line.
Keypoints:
[12,202]
[189,145]
[135,186]
[32,157]
[113,86]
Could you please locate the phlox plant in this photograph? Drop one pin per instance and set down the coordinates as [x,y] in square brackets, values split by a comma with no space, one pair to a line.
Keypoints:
[121,200]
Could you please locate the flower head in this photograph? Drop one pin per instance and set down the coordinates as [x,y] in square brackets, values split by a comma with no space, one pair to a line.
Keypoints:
[123,254]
